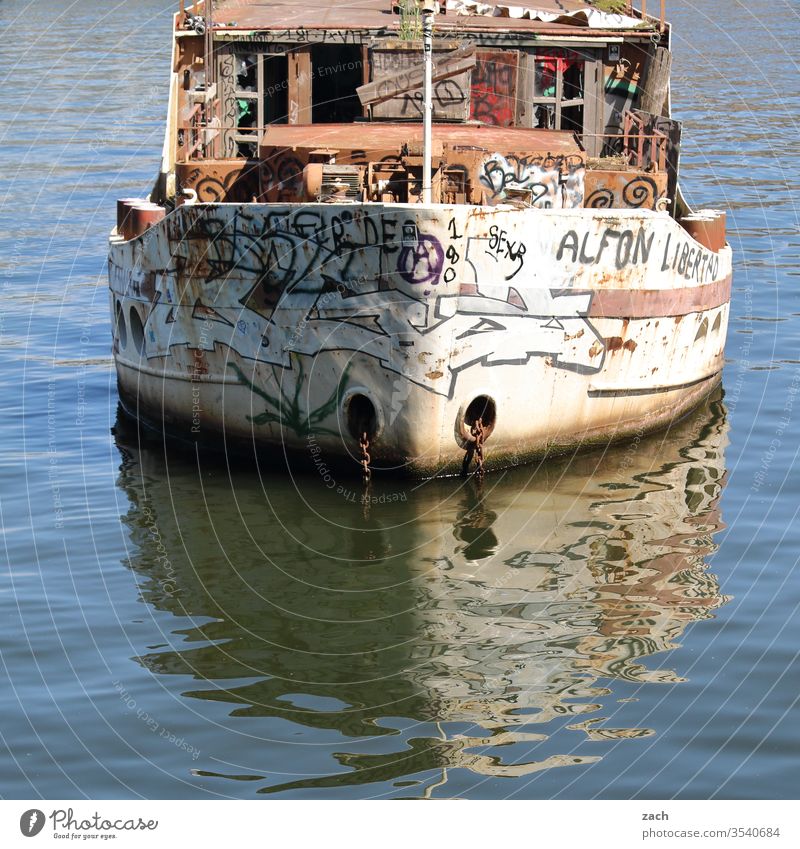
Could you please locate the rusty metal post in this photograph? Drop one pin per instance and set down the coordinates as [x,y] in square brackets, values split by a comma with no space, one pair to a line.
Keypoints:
[427,100]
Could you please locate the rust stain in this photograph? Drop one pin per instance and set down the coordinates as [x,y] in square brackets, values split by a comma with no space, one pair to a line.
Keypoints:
[433,375]
[614,343]
[568,336]
[199,365]
[596,349]
[630,345]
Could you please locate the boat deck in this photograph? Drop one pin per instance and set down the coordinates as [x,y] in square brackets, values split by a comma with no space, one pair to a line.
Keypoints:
[369,136]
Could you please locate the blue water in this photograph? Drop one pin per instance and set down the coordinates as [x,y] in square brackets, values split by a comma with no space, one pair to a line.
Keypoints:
[622,624]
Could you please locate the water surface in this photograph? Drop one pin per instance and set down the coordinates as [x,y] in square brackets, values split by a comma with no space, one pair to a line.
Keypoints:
[619,624]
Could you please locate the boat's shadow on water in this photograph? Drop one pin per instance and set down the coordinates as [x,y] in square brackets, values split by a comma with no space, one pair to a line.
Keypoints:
[460,617]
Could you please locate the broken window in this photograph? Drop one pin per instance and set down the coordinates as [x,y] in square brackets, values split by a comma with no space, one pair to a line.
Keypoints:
[558,86]
[252,88]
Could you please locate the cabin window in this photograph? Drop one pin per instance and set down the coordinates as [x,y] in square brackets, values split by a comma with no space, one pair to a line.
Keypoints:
[253,94]
[558,87]
[336,71]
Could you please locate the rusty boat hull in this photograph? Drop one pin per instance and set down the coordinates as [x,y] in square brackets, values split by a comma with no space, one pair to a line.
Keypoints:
[300,325]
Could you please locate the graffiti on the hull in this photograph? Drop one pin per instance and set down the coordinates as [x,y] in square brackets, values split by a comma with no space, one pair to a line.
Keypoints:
[285,409]
[300,282]
[626,247]
[419,297]
[421,261]
[508,253]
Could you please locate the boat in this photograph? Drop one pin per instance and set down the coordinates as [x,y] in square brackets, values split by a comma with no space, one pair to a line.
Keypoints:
[419,237]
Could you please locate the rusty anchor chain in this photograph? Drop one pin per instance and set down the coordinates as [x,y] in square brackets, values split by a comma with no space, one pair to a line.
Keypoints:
[475,449]
[365,457]
[479,435]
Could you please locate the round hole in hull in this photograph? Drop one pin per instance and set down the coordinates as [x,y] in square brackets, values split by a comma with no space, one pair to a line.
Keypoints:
[137,330]
[481,407]
[122,329]
[361,417]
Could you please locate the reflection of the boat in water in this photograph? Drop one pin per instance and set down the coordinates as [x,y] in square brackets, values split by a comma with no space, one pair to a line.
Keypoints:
[478,615]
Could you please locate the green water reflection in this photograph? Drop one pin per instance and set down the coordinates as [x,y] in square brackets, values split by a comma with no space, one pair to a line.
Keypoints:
[490,615]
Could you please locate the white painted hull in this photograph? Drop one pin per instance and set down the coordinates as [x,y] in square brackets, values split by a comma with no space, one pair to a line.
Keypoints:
[264,321]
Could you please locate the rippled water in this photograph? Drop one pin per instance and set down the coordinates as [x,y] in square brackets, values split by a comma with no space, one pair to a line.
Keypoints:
[619,624]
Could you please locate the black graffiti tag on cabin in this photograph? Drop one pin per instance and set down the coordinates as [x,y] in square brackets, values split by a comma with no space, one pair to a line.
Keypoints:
[627,248]
[544,177]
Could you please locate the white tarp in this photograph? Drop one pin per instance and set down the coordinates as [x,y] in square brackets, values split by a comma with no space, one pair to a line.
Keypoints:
[595,19]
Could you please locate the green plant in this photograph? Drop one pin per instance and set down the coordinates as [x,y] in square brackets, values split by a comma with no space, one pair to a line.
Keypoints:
[286,410]
[616,7]
[410,20]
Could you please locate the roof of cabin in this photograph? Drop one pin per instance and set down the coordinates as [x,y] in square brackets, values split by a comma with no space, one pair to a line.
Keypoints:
[560,17]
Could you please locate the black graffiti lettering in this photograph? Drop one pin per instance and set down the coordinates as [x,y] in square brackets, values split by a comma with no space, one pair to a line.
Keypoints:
[665,261]
[683,259]
[696,265]
[690,261]
[702,275]
[584,257]
[516,253]
[389,234]
[570,240]
[624,246]
[641,252]
[604,242]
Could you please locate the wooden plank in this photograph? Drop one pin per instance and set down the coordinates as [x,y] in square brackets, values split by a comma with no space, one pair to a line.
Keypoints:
[493,93]
[656,85]
[524,90]
[411,78]
[300,86]
[594,107]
